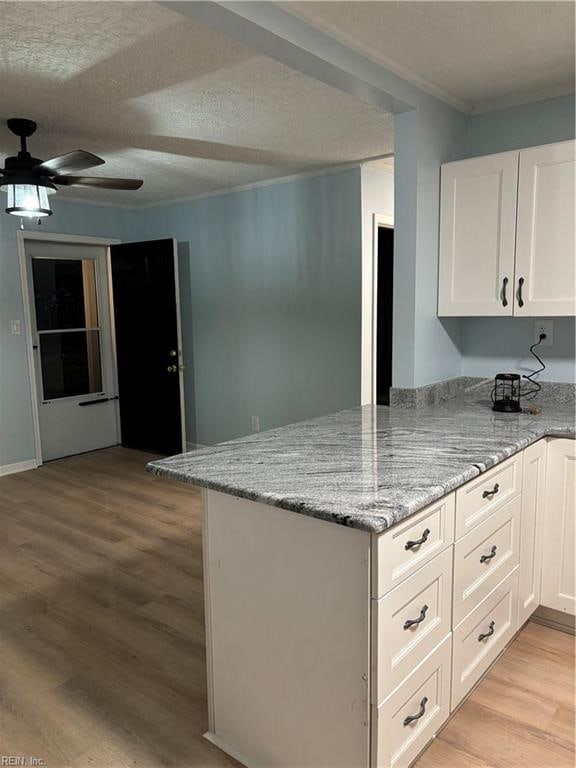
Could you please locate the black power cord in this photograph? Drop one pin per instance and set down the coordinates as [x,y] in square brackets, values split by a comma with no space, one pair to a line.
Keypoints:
[530,377]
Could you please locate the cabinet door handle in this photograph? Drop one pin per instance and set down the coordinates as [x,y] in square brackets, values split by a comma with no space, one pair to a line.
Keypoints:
[485,558]
[412,718]
[520,299]
[493,492]
[412,544]
[504,299]
[490,632]
[411,622]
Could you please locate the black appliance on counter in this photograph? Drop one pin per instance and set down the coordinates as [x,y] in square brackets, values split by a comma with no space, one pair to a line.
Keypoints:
[506,393]
[507,389]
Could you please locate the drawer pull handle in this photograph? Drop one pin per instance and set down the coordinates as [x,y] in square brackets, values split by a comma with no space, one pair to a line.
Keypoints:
[412,718]
[412,544]
[490,632]
[486,558]
[493,492]
[411,622]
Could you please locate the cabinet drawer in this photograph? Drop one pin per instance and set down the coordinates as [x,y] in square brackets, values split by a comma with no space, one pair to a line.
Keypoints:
[396,742]
[397,554]
[481,637]
[484,557]
[476,500]
[425,597]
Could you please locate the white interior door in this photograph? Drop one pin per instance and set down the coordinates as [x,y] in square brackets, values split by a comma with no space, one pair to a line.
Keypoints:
[545,247]
[477,236]
[73,350]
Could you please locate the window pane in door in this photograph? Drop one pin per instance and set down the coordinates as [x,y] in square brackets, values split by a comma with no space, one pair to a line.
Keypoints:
[65,293]
[70,364]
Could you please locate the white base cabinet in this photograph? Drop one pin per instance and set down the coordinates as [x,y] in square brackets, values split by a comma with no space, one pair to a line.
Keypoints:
[333,647]
[482,635]
[559,531]
[415,712]
[532,529]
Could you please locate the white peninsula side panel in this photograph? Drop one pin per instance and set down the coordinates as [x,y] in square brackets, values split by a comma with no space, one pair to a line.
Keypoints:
[287,617]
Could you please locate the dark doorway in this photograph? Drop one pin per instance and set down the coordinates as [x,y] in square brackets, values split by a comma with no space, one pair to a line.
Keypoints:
[148,349]
[384,314]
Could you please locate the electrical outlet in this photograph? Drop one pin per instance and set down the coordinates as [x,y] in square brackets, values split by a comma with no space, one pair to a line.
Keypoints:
[547,327]
[255,423]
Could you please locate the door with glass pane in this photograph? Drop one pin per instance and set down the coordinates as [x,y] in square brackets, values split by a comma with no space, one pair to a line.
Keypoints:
[73,351]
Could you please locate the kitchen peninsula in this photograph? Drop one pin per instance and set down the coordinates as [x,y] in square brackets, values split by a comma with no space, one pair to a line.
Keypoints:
[345,634]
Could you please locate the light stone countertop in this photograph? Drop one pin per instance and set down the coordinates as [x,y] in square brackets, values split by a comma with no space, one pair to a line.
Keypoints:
[369,467]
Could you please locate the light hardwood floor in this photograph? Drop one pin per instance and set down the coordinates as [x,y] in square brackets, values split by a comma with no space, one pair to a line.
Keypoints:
[102,647]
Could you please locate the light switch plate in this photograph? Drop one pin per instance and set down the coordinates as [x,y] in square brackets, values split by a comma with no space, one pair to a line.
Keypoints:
[15,327]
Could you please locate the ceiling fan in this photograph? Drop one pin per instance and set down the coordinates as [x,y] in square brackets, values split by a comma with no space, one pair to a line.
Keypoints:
[28,180]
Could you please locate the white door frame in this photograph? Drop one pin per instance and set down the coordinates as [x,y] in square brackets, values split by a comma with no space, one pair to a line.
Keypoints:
[180,350]
[52,237]
[370,311]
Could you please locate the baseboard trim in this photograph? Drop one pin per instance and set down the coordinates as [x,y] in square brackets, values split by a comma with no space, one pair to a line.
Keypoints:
[548,617]
[217,741]
[19,466]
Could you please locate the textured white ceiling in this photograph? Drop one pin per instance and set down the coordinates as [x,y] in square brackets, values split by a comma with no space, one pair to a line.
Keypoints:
[478,55]
[164,99]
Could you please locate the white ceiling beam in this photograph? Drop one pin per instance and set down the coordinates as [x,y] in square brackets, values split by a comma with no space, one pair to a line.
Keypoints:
[269,29]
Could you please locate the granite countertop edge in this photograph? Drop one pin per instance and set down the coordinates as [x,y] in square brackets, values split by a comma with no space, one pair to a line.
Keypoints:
[366,521]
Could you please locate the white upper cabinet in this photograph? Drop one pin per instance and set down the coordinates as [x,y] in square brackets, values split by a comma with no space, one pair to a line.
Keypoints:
[507,234]
[545,248]
[477,234]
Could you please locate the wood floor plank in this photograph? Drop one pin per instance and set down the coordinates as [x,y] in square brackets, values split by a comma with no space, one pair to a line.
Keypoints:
[505,742]
[102,660]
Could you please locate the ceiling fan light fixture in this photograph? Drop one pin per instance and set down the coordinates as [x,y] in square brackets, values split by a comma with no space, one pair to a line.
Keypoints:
[28,200]
[28,180]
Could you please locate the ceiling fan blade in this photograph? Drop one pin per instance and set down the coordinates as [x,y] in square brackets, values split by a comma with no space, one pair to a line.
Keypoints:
[78,160]
[97,181]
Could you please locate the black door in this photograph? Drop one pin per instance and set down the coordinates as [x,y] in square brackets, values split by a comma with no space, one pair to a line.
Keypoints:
[384,315]
[147,345]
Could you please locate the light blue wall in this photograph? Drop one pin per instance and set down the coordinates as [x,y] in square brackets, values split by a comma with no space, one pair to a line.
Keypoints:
[527,125]
[271,301]
[501,344]
[426,349]
[491,345]
[16,429]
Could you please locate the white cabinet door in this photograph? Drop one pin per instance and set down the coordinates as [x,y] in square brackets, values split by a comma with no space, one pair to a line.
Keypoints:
[533,500]
[545,258]
[559,530]
[477,235]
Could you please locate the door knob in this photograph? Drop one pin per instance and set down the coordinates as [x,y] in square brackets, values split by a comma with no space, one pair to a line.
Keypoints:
[172,353]
[172,368]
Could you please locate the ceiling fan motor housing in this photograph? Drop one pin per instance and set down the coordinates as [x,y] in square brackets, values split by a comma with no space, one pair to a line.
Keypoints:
[20,170]
[21,126]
